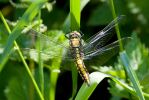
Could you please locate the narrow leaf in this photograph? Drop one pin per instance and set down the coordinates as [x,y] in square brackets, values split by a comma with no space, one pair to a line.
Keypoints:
[75,14]
[131,74]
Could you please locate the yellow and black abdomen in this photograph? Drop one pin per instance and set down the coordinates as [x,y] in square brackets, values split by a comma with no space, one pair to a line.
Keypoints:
[76,51]
[80,66]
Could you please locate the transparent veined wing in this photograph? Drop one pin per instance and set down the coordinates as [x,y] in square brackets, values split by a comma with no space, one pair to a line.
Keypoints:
[106,52]
[52,45]
[55,38]
[102,37]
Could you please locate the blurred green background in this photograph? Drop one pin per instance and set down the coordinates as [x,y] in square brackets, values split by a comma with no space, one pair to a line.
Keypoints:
[15,83]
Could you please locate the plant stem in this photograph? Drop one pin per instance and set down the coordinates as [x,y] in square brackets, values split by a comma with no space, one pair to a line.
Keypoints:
[22,58]
[41,75]
[116,27]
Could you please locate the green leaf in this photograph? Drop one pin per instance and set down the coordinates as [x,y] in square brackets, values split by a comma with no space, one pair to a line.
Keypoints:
[66,25]
[85,91]
[16,82]
[75,14]
[15,90]
[139,60]
[98,15]
[95,78]
[131,74]
[18,85]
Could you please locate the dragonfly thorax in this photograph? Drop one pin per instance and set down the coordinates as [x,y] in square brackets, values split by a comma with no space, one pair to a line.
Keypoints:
[75,39]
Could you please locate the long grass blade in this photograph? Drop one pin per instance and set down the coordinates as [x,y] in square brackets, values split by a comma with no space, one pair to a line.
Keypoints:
[74,25]
[116,27]
[75,14]
[131,74]
[66,25]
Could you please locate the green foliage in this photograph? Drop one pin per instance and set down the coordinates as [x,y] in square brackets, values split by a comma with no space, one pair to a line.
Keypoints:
[131,74]
[75,14]
[98,16]
[85,91]
[19,82]
[121,86]
[27,17]
[138,56]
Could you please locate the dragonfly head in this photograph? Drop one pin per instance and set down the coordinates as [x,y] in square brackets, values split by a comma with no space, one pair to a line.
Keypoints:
[73,35]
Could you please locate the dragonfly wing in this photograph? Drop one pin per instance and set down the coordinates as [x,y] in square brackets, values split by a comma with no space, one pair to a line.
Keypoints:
[50,46]
[53,38]
[46,54]
[107,51]
[102,36]
[102,57]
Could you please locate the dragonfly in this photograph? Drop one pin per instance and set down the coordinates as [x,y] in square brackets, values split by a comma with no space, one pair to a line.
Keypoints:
[79,50]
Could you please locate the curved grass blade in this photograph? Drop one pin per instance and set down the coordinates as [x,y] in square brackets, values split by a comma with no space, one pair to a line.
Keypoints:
[131,74]
[75,13]
[85,91]
[95,78]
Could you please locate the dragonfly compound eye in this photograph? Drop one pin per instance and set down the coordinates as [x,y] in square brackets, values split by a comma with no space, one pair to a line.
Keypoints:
[75,34]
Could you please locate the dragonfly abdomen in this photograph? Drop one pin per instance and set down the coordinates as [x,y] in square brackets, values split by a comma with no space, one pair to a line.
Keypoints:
[76,51]
[82,69]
